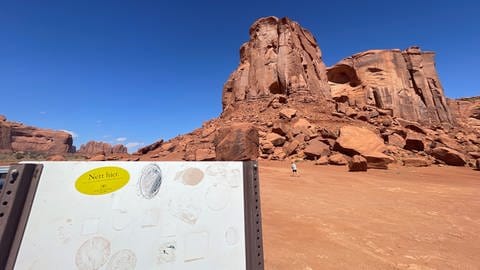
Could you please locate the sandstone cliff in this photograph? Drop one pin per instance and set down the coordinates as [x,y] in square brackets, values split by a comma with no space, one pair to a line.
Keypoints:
[16,137]
[388,107]
[281,57]
[405,82]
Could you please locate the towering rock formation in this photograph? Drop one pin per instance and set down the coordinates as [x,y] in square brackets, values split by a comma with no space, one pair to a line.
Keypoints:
[280,58]
[278,104]
[405,82]
[16,137]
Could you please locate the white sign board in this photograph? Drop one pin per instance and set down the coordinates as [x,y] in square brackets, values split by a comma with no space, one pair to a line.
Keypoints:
[136,215]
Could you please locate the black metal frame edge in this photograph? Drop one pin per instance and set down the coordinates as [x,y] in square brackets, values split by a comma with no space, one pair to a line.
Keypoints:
[253,217]
[16,201]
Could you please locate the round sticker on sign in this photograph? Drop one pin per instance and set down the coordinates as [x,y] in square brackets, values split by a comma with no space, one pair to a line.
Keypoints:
[102,180]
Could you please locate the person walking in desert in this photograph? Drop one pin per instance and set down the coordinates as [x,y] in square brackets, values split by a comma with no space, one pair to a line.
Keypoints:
[294,168]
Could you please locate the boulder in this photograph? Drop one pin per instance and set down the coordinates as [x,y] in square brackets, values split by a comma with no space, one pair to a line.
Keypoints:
[341,107]
[448,142]
[373,113]
[414,142]
[449,156]
[275,139]
[329,142]
[322,161]
[351,112]
[329,133]
[386,122]
[100,157]
[413,126]
[364,116]
[355,140]
[205,154]
[302,125]
[316,149]
[377,160]
[396,140]
[288,113]
[474,154]
[237,142]
[337,114]
[357,164]
[385,112]
[416,162]
[291,147]
[400,131]
[301,138]
[266,147]
[281,128]
[337,159]
[279,154]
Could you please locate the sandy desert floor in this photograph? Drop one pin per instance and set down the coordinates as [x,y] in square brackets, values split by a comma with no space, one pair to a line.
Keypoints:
[402,218]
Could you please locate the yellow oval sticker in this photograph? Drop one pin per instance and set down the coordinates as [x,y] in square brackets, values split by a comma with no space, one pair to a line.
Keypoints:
[102,180]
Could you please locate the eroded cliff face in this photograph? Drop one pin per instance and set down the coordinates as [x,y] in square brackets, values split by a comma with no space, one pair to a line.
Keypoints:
[385,106]
[405,82]
[16,137]
[281,57]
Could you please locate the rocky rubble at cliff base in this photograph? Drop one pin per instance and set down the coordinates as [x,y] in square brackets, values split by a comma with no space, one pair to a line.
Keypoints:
[382,140]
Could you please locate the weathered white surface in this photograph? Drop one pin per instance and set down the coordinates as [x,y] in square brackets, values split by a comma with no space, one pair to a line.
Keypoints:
[195,221]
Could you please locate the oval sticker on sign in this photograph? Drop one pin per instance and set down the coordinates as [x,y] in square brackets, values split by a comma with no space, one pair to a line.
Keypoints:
[102,180]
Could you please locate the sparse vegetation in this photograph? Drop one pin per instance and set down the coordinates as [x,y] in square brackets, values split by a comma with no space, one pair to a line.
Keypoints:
[9,158]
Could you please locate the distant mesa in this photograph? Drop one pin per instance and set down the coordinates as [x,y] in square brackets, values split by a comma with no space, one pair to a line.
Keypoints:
[55,145]
[101,148]
[17,137]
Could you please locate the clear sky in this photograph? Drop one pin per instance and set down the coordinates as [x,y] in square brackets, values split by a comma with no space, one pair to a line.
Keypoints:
[137,71]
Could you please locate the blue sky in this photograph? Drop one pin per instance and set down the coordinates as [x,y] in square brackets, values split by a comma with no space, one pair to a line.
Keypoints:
[138,71]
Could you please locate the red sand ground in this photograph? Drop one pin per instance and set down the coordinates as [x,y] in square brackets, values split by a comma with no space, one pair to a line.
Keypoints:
[402,218]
